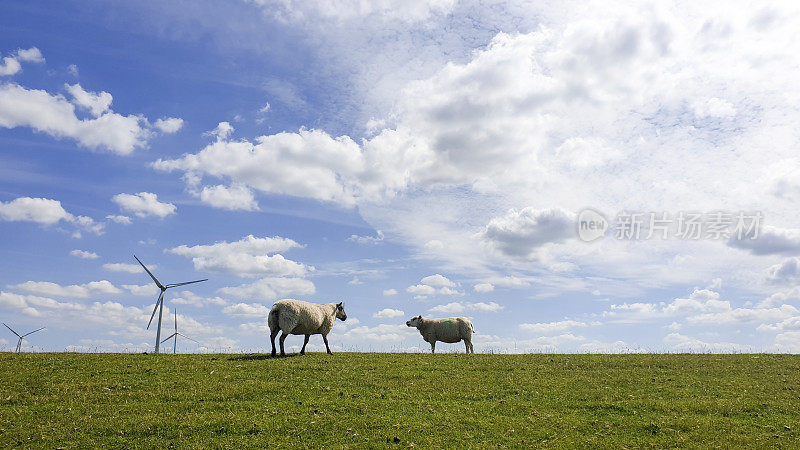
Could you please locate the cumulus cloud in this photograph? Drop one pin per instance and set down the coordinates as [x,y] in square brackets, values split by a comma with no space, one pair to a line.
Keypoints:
[770,241]
[460,307]
[84,254]
[77,291]
[270,288]
[192,299]
[389,292]
[55,115]
[96,103]
[247,310]
[144,204]
[10,65]
[367,240]
[40,210]
[46,212]
[388,313]
[518,233]
[146,290]
[169,125]
[551,327]
[233,198]
[250,256]
[122,220]
[127,268]
[437,281]
[484,287]
[786,272]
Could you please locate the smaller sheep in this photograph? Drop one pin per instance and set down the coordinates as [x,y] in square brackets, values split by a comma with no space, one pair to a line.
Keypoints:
[299,317]
[449,330]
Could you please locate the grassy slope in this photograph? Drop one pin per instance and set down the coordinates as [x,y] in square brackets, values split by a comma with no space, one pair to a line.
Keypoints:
[363,399]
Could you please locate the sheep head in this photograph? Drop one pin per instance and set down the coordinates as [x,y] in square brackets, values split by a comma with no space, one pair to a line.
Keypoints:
[340,314]
[414,322]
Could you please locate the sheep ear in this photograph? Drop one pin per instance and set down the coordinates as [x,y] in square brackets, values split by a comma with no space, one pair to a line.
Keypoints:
[340,304]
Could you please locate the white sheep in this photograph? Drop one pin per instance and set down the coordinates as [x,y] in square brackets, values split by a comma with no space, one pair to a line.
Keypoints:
[299,317]
[449,330]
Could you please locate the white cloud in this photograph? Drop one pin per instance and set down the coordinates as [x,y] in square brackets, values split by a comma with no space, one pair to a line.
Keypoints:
[437,281]
[518,233]
[122,220]
[270,288]
[73,70]
[367,240]
[389,292]
[460,307]
[144,204]
[46,212]
[249,256]
[144,290]
[388,313]
[235,197]
[551,327]
[96,103]
[222,131]
[84,254]
[484,287]
[169,125]
[127,268]
[344,13]
[247,310]
[39,210]
[54,115]
[10,64]
[714,107]
[421,289]
[30,55]
[770,241]
[190,298]
[87,290]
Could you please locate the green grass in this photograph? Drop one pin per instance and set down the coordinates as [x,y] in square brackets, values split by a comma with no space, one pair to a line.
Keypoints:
[369,399]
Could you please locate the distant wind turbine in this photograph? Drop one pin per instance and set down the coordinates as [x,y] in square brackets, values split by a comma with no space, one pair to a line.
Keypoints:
[160,301]
[175,335]
[19,342]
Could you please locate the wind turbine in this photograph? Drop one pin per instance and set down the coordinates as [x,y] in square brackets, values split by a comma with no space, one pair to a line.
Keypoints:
[19,343]
[176,334]
[160,301]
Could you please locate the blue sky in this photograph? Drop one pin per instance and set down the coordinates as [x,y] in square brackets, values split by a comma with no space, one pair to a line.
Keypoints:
[405,158]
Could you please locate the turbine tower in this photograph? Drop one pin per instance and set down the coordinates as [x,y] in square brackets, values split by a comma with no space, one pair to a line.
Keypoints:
[19,342]
[176,334]
[160,301]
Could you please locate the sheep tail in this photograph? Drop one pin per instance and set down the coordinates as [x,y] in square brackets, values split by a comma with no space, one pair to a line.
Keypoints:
[272,319]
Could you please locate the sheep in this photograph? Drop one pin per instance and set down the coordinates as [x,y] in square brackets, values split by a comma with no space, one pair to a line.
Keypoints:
[299,317]
[449,330]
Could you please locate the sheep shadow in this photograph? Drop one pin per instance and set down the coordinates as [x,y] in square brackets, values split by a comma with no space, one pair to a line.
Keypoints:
[261,357]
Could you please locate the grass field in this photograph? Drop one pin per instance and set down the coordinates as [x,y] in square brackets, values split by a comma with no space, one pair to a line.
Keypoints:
[398,400]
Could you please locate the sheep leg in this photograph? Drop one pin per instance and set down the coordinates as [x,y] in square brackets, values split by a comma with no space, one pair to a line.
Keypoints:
[433,346]
[272,335]
[466,345]
[283,338]
[471,348]
[303,350]
[327,347]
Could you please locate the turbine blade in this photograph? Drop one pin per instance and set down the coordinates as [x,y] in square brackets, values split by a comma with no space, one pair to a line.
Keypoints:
[160,299]
[158,283]
[12,330]
[34,331]
[181,284]
[187,337]
[170,337]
